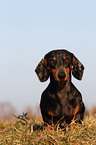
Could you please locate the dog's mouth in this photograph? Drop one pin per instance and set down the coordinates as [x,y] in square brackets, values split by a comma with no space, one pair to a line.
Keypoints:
[61,80]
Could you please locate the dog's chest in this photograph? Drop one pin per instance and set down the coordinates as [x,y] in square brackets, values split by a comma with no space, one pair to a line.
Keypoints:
[57,104]
[61,104]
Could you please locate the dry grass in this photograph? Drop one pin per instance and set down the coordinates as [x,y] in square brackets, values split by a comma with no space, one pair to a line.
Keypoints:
[20,132]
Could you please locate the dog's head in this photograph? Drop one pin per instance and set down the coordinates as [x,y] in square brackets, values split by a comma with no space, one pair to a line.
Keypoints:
[59,64]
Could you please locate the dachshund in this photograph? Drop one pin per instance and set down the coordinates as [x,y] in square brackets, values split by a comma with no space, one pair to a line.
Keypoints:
[61,102]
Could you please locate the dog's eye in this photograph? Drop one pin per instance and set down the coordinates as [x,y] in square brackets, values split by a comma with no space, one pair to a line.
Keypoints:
[52,62]
[66,60]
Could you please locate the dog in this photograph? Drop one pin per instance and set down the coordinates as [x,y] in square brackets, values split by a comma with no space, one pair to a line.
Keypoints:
[61,102]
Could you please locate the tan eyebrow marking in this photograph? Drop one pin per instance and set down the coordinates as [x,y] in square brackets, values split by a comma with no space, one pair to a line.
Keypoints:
[64,57]
[54,58]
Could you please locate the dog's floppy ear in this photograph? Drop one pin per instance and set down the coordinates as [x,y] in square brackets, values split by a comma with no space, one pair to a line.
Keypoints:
[42,71]
[78,68]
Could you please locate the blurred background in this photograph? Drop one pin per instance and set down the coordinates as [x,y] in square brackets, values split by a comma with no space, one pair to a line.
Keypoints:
[30,29]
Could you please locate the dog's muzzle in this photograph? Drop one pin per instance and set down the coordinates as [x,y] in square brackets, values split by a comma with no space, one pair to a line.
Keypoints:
[61,75]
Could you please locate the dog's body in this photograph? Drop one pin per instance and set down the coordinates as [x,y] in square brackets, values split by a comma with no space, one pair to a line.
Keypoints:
[61,101]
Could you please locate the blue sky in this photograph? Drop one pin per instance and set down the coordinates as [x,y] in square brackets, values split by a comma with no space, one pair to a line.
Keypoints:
[28,30]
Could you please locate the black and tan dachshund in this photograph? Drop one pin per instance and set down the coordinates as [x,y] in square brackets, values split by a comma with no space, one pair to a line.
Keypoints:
[61,101]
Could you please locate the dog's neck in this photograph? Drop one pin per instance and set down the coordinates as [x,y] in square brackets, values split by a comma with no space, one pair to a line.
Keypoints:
[59,86]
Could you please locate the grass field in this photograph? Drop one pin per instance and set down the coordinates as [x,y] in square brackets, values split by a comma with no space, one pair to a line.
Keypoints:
[19,131]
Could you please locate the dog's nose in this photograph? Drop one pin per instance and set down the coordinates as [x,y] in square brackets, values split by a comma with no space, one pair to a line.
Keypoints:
[61,75]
